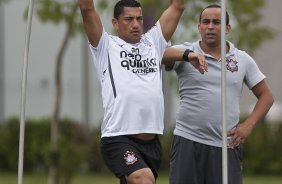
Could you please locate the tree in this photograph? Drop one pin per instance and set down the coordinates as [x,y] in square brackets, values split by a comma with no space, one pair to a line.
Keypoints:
[58,12]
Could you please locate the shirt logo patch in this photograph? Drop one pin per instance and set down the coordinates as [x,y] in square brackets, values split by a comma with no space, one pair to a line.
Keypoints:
[232,65]
[146,42]
[130,158]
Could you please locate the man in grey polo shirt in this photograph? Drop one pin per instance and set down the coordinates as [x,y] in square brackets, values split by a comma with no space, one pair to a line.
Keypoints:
[196,151]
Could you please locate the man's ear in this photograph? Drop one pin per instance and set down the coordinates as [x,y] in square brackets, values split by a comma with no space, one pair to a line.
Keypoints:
[228,28]
[115,23]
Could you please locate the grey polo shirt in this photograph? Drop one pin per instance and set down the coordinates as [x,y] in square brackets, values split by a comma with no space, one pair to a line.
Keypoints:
[199,115]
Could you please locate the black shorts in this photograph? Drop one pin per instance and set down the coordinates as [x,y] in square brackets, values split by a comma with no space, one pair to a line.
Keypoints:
[124,154]
[196,163]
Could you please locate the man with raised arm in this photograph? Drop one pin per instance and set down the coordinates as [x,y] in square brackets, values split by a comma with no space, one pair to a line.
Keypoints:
[129,70]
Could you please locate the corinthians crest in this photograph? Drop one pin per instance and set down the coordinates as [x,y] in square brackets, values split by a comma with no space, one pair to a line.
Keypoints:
[129,158]
[232,64]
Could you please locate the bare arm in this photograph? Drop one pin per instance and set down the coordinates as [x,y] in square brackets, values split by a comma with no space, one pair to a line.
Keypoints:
[91,21]
[264,103]
[172,55]
[170,18]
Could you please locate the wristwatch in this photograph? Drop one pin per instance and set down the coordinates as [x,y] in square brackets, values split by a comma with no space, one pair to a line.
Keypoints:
[185,55]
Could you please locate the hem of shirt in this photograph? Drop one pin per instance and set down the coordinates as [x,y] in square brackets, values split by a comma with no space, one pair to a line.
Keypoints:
[131,133]
[195,139]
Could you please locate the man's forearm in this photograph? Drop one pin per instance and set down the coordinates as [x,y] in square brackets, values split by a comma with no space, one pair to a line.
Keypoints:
[86,5]
[170,18]
[171,55]
[178,4]
[91,21]
[261,108]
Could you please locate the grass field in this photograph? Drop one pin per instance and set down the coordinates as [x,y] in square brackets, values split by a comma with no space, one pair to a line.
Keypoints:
[11,178]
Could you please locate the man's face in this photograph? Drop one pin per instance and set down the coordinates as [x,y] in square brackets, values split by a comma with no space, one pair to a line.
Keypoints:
[129,25]
[210,27]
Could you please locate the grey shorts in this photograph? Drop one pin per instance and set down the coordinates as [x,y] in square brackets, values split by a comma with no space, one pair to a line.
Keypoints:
[196,163]
[124,155]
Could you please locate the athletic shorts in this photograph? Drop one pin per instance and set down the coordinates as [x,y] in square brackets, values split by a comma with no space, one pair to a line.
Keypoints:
[124,154]
[196,163]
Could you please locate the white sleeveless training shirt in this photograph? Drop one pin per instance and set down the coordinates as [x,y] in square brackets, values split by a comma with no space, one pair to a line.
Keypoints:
[131,80]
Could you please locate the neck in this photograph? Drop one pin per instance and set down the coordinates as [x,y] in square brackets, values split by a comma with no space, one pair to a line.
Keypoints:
[214,51]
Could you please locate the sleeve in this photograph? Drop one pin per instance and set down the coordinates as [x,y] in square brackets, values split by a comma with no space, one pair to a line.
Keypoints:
[253,74]
[100,54]
[155,34]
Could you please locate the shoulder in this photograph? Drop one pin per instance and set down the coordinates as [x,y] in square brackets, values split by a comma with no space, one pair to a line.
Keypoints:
[102,41]
[156,29]
[188,44]
[240,54]
[183,46]
[155,35]
[244,56]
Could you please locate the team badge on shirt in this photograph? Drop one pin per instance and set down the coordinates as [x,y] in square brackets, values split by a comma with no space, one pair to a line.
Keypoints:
[130,158]
[232,65]
[146,42]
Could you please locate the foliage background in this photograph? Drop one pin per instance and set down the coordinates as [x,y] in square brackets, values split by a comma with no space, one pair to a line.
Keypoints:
[79,153]
[262,150]
[245,16]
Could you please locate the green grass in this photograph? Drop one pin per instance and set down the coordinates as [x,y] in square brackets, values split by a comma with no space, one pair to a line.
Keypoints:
[11,178]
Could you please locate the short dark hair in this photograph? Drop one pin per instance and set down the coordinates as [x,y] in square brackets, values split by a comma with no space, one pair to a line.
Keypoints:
[214,6]
[124,3]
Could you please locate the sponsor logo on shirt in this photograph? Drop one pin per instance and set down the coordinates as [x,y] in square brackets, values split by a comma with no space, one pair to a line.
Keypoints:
[136,64]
